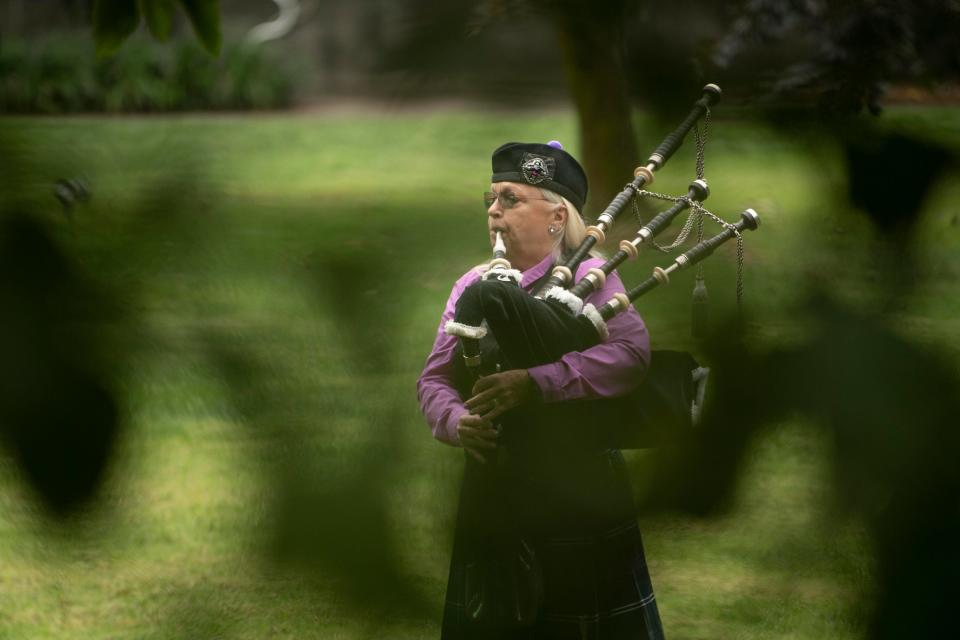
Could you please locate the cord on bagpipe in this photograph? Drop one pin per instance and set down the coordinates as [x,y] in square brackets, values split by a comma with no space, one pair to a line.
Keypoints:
[700,317]
[643,175]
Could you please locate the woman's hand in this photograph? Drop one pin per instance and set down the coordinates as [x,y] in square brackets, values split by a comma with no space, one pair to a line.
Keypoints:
[499,392]
[476,435]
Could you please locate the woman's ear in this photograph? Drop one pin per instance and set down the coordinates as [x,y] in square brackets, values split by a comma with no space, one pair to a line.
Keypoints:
[560,215]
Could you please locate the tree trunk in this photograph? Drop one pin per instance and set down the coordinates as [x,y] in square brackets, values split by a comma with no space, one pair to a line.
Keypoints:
[593,65]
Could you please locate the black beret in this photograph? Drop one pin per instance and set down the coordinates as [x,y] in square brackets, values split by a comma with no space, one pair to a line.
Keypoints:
[542,165]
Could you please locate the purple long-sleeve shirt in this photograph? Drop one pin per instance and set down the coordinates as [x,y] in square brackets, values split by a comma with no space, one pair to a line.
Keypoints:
[611,368]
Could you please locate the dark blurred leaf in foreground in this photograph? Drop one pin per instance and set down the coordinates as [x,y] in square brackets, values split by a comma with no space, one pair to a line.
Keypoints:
[115,20]
[158,15]
[889,176]
[205,17]
[59,418]
[889,403]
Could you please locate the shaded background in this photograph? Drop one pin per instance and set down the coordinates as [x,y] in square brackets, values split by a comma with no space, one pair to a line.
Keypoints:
[212,322]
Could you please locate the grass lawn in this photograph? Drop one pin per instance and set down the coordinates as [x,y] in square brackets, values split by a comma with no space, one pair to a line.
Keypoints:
[278,281]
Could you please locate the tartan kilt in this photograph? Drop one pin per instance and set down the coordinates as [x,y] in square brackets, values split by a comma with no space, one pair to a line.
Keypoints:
[577,514]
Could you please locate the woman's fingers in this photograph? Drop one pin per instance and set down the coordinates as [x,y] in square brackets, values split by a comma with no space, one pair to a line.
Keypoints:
[482,434]
[477,435]
[481,399]
[493,411]
[484,383]
[498,392]
[475,441]
[475,421]
[498,406]
[501,405]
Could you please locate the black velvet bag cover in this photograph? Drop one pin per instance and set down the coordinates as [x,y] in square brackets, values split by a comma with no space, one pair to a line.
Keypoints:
[525,332]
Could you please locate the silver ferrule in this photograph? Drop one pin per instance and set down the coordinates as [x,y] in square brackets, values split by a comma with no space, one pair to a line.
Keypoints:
[592,278]
[604,220]
[655,161]
[642,236]
[613,303]
[679,263]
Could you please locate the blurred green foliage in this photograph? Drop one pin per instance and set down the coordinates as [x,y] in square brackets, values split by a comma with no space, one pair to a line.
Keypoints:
[115,20]
[62,74]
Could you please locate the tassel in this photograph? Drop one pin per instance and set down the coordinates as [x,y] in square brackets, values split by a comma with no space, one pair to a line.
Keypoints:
[700,310]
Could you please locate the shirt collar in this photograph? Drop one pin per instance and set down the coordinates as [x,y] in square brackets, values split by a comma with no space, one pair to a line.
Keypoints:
[536,272]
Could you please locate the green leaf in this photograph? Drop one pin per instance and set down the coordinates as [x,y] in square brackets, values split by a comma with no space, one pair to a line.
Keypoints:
[159,17]
[205,17]
[113,22]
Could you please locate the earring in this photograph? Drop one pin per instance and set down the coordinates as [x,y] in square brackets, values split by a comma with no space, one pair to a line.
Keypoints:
[552,229]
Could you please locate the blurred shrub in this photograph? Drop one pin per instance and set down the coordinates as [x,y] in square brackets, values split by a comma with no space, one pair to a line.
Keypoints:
[63,75]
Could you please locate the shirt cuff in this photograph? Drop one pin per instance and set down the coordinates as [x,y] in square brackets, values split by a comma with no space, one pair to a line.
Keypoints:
[545,377]
[450,427]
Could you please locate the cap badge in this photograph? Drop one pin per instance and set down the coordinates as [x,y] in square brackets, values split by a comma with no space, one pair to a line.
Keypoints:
[537,169]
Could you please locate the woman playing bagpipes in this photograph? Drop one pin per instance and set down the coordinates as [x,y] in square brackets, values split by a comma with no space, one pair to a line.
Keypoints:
[547,544]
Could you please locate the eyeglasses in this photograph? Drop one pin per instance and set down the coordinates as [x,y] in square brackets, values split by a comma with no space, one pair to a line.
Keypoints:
[508,199]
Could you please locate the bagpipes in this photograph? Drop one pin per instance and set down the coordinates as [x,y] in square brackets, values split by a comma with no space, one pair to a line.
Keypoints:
[501,326]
